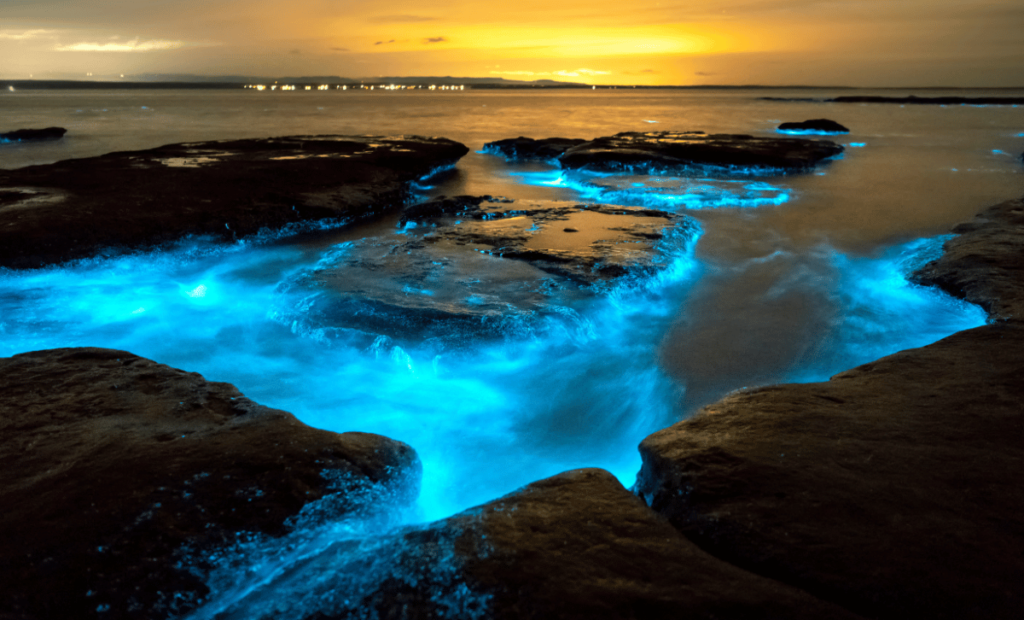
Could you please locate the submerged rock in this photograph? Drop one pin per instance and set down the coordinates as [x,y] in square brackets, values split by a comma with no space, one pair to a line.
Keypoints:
[121,477]
[680,151]
[227,189]
[529,148]
[474,267]
[818,125]
[27,135]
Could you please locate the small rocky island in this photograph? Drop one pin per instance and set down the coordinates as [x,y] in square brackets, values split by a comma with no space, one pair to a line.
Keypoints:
[33,135]
[670,151]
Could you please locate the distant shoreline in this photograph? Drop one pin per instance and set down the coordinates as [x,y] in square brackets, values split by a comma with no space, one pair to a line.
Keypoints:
[300,85]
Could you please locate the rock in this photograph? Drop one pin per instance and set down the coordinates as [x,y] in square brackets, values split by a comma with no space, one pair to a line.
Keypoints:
[984,262]
[529,148]
[818,126]
[892,490]
[26,135]
[577,545]
[78,208]
[674,151]
[470,268]
[114,465]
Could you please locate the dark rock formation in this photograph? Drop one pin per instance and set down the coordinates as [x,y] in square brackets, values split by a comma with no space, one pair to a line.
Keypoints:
[577,545]
[655,151]
[473,267]
[27,135]
[893,489]
[984,262]
[529,148]
[817,125]
[112,464]
[77,208]
[930,100]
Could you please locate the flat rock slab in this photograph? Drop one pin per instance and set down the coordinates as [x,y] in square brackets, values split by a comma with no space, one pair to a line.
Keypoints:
[475,267]
[78,208]
[577,545]
[112,464]
[530,148]
[682,151]
[984,262]
[29,135]
[814,126]
[892,490]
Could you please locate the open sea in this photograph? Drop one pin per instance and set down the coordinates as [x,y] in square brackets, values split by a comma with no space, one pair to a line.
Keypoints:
[790,279]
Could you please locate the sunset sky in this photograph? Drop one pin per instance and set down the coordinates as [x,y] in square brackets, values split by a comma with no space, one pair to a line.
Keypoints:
[775,42]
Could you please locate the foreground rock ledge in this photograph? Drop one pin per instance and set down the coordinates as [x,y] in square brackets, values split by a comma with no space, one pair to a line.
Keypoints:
[577,545]
[111,463]
[76,208]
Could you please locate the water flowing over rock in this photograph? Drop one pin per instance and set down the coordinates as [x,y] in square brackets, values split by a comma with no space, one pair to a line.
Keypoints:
[121,475]
[29,135]
[227,189]
[577,545]
[529,148]
[680,151]
[892,489]
[473,267]
[818,125]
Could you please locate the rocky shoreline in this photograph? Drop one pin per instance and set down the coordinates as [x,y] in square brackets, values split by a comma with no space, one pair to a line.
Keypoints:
[889,491]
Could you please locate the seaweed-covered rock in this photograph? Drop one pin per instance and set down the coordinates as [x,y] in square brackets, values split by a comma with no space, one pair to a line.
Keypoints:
[30,135]
[76,208]
[121,476]
[814,126]
[892,490]
[681,151]
[529,148]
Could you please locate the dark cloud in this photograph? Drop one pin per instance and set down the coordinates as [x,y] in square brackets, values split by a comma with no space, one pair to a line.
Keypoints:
[705,73]
[401,19]
[435,40]
[295,52]
[340,49]
[384,42]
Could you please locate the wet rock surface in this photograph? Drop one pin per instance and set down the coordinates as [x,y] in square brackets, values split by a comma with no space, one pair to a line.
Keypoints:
[984,262]
[226,189]
[28,135]
[817,125]
[680,151]
[477,266]
[530,148]
[892,489]
[577,545]
[115,466]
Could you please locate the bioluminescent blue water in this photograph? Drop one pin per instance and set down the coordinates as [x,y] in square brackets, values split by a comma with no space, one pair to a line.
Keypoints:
[811,132]
[666,192]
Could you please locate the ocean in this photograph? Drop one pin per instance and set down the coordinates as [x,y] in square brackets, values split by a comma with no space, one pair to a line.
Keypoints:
[791,278]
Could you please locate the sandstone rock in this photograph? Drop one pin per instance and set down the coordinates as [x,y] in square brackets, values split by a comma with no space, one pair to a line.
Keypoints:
[892,490]
[228,189]
[577,545]
[818,125]
[529,148]
[984,262]
[26,135]
[675,151]
[113,466]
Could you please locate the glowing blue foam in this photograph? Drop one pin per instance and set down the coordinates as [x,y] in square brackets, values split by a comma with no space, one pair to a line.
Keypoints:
[857,145]
[811,132]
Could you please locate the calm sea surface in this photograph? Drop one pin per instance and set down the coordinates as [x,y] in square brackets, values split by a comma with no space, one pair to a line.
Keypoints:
[793,278]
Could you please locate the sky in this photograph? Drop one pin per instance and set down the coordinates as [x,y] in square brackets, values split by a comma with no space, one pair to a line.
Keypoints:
[773,42]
